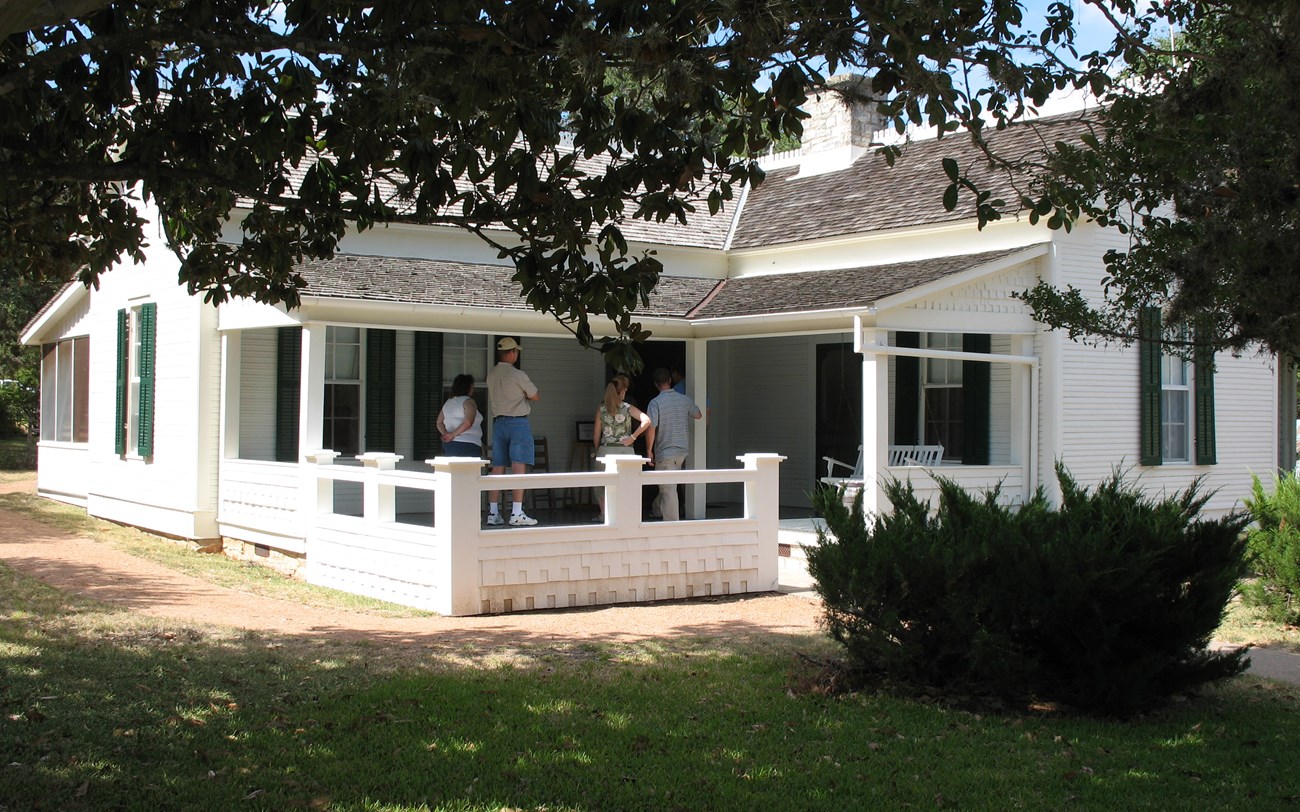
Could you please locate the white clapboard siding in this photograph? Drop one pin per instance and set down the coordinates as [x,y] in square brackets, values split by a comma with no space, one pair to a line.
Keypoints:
[766,404]
[1098,419]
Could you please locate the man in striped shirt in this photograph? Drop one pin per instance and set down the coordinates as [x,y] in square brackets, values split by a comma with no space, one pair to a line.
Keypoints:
[669,439]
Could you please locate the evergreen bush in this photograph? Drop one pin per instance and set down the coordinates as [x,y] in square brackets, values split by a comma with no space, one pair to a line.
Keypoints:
[1106,603]
[1273,550]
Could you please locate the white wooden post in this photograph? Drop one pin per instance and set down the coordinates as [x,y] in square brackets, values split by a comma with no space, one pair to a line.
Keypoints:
[231,357]
[456,500]
[763,505]
[875,418]
[311,388]
[697,386]
[322,488]
[623,497]
[378,502]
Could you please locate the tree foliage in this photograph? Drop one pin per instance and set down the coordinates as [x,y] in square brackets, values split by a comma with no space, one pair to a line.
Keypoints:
[1197,158]
[518,121]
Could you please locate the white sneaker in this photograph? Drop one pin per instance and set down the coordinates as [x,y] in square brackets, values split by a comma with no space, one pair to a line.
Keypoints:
[522,520]
[495,520]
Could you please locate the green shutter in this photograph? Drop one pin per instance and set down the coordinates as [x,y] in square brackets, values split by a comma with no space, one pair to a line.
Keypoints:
[975,395]
[148,343]
[381,386]
[427,379]
[1203,365]
[1149,417]
[123,352]
[288,388]
[907,392]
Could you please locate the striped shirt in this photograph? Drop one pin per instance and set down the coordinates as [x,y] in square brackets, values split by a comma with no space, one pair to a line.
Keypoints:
[671,413]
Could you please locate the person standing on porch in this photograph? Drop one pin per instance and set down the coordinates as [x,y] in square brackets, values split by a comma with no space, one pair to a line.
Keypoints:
[615,429]
[460,423]
[509,393]
[669,439]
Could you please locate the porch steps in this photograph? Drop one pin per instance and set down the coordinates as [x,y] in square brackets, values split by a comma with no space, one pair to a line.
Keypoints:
[794,537]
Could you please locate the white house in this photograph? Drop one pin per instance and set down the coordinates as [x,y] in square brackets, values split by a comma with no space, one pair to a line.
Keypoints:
[836,306]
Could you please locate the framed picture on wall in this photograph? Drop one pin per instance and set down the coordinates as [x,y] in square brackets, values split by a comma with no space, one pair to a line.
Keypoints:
[586,430]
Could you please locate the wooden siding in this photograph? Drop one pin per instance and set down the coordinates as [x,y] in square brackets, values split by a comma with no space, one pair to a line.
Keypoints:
[1098,423]
[764,403]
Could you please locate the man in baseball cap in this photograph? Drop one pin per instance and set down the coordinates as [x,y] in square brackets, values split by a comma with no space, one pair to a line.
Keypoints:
[509,393]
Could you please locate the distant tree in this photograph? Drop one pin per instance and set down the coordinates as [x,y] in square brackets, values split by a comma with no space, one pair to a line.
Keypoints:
[1196,156]
[20,370]
[325,114]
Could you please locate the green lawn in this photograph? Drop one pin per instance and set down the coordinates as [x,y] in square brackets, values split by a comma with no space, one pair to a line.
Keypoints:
[101,708]
[13,454]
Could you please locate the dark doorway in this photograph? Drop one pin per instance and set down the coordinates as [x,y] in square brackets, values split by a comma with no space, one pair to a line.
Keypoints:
[839,405]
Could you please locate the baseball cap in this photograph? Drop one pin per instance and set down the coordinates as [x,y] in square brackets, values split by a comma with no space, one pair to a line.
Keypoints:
[507,343]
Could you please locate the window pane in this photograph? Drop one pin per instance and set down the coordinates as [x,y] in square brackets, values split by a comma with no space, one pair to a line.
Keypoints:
[943,416]
[1173,371]
[49,387]
[81,390]
[63,394]
[342,428]
[1174,425]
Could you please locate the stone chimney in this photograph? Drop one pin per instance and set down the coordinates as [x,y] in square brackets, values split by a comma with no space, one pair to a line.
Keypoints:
[842,120]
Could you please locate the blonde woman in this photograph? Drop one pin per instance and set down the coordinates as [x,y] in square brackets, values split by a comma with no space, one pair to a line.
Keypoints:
[618,424]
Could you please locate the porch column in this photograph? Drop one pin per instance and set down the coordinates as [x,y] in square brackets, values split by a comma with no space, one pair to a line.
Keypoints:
[697,386]
[875,418]
[311,392]
[1023,444]
[456,499]
[231,358]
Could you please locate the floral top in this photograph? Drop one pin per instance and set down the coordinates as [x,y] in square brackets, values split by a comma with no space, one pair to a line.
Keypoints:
[614,427]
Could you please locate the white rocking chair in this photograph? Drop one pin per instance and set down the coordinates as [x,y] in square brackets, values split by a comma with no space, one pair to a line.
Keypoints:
[925,456]
[855,470]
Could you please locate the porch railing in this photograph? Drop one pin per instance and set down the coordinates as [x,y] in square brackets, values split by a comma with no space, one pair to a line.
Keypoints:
[457,567]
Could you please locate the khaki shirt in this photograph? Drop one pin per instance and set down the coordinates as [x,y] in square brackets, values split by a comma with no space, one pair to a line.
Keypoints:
[508,391]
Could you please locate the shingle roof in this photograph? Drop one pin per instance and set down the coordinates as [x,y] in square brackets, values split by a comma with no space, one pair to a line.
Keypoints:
[872,196]
[462,284]
[832,290]
[699,231]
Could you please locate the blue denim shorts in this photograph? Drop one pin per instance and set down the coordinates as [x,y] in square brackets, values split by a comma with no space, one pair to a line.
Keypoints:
[512,441]
[460,448]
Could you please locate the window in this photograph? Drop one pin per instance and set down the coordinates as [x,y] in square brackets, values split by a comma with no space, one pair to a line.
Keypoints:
[471,355]
[465,354]
[136,343]
[65,391]
[1176,398]
[342,429]
[1175,409]
[942,402]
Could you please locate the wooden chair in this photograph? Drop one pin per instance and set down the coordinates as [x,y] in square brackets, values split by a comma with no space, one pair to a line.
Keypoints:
[542,465]
[926,456]
[854,470]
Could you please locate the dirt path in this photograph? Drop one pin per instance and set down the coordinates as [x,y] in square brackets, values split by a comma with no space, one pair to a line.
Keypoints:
[94,569]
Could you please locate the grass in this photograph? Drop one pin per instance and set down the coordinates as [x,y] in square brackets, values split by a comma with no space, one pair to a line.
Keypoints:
[181,556]
[1247,624]
[13,456]
[99,710]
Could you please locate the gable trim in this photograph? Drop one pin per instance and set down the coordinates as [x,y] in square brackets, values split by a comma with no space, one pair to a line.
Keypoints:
[960,278]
